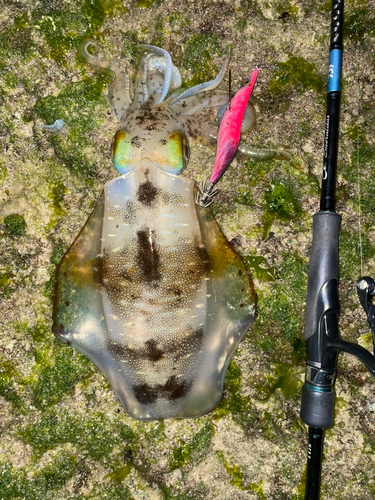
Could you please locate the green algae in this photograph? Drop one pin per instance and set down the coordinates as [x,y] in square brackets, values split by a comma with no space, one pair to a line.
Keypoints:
[7,287]
[259,268]
[70,148]
[17,483]
[8,376]
[57,193]
[285,378]
[233,403]
[193,451]
[178,20]
[144,4]
[89,433]
[298,75]
[18,37]
[59,249]
[119,475]
[40,333]
[255,172]
[57,473]
[198,57]
[156,433]
[281,319]
[280,322]
[71,100]
[169,494]
[286,10]
[59,379]
[353,250]
[244,197]
[245,11]
[279,203]
[238,477]
[15,224]
[64,29]
[359,20]
[3,172]
[300,493]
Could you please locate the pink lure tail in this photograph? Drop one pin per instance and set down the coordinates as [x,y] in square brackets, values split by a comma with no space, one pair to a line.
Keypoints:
[230,129]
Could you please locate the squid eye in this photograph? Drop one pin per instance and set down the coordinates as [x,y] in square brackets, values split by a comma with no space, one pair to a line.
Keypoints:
[122,152]
[177,153]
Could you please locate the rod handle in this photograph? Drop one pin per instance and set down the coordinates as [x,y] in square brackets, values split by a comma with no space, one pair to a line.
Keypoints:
[324,264]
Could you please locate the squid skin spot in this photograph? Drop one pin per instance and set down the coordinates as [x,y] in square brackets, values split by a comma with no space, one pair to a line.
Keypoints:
[97,270]
[135,141]
[125,275]
[197,337]
[171,390]
[147,193]
[145,394]
[153,353]
[241,305]
[239,272]
[61,327]
[67,303]
[174,390]
[148,258]
[117,349]
[68,343]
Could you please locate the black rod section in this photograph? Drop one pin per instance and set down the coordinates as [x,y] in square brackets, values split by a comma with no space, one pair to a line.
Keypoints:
[322,304]
[328,200]
[314,463]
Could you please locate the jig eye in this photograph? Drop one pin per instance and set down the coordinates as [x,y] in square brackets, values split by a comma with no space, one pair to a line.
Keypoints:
[122,152]
[174,156]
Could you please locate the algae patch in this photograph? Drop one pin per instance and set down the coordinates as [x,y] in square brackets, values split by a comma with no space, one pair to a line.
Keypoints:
[238,477]
[15,224]
[296,74]
[259,268]
[279,203]
[198,57]
[233,403]
[194,450]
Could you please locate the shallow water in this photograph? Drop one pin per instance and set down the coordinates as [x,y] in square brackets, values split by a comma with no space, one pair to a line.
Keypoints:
[64,433]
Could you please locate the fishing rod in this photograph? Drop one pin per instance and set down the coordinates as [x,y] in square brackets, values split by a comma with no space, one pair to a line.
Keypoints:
[323,342]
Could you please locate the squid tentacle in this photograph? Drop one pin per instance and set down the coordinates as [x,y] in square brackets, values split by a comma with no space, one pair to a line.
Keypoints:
[201,102]
[168,69]
[119,88]
[159,63]
[207,136]
[201,87]
[144,81]
[93,60]
[245,152]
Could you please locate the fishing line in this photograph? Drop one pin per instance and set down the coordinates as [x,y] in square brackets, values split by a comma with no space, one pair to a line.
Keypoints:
[357,51]
[359,197]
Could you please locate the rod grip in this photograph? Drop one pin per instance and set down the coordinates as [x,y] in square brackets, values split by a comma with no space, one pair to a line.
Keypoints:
[324,263]
[317,408]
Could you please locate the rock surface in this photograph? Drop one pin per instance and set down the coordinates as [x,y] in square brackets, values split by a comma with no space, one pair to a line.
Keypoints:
[64,434]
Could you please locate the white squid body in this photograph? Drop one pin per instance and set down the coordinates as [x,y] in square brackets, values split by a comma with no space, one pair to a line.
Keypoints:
[150,290]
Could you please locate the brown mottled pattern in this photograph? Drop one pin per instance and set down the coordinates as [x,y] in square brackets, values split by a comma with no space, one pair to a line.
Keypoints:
[172,306]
